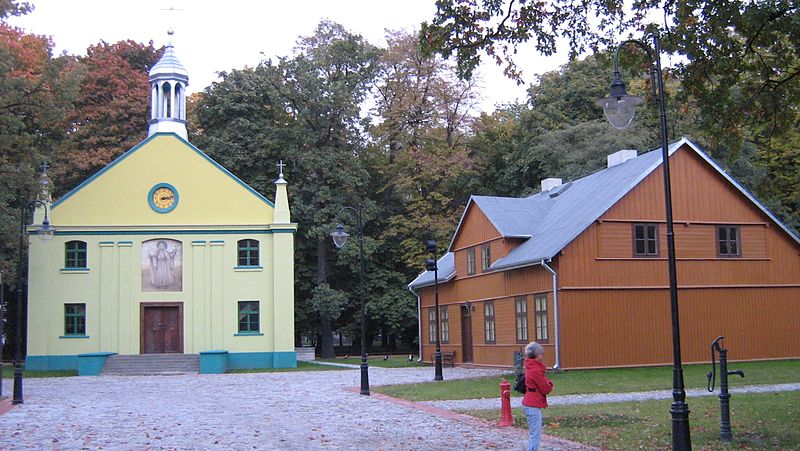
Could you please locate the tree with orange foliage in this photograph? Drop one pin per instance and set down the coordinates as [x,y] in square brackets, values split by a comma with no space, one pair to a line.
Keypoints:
[110,113]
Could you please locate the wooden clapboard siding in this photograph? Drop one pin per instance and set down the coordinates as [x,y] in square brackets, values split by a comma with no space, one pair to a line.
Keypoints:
[475,229]
[699,193]
[614,309]
[758,323]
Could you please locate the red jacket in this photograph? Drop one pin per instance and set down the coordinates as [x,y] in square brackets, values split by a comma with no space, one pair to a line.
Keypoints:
[538,384]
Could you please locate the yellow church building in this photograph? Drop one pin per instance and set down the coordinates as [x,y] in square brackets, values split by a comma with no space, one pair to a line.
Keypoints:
[163,251]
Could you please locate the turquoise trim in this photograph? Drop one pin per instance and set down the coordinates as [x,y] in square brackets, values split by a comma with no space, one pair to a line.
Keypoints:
[257,360]
[140,145]
[284,359]
[213,362]
[79,270]
[217,241]
[105,243]
[74,336]
[166,232]
[248,267]
[248,334]
[198,242]
[92,363]
[155,207]
[51,362]
[125,242]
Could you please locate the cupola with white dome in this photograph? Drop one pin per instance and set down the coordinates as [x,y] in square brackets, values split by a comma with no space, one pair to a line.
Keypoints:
[168,82]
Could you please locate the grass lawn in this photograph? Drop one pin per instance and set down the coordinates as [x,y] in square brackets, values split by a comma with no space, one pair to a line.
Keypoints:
[301,366]
[8,373]
[758,421]
[395,361]
[601,381]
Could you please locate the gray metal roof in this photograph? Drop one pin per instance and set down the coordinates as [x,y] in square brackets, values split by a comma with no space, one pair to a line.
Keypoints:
[447,270]
[551,220]
[169,66]
[574,208]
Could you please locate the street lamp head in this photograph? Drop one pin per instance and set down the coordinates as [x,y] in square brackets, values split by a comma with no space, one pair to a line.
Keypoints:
[619,107]
[339,236]
[46,231]
[430,245]
[430,264]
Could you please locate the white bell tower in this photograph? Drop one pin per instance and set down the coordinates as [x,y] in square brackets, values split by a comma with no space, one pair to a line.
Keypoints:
[168,82]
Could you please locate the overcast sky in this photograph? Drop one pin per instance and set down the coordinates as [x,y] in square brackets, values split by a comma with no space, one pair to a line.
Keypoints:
[213,36]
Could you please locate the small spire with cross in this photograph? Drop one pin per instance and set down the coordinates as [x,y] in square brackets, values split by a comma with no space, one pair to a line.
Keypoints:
[44,185]
[281,164]
[170,29]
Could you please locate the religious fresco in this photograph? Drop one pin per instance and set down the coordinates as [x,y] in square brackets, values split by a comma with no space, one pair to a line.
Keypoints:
[162,265]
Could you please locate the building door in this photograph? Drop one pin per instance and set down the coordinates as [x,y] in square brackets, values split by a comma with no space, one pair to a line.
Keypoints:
[162,328]
[466,333]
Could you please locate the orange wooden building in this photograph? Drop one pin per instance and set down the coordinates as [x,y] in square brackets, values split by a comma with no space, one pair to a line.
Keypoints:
[581,267]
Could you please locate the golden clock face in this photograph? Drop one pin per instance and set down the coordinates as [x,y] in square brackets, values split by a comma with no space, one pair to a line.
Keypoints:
[163,198]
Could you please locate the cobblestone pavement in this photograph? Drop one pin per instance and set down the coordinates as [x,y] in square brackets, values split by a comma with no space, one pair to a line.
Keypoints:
[293,410]
[599,398]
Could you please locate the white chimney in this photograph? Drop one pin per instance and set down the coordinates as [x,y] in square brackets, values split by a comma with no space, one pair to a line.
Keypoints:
[548,184]
[621,157]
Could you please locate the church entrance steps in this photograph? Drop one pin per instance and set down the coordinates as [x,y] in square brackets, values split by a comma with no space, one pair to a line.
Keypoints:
[151,365]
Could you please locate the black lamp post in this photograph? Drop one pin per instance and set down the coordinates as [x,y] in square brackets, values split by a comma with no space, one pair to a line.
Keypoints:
[45,233]
[620,108]
[432,265]
[339,239]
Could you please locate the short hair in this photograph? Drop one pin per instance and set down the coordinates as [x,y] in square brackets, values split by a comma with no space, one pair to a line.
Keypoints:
[533,349]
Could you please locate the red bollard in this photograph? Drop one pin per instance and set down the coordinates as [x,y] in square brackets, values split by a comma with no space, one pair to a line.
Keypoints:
[506,417]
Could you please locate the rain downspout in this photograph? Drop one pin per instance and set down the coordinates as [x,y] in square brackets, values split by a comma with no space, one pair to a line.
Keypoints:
[557,364]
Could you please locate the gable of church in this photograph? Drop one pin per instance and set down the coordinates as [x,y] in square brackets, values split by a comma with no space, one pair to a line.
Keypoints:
[162,181]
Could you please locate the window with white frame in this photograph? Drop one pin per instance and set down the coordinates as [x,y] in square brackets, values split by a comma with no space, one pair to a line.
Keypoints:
[521,311]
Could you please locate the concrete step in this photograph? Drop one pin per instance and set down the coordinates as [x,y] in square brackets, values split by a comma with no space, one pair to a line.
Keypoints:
[151,364]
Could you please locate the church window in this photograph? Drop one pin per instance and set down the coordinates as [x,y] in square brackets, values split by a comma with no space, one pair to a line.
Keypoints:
[74,319]
[248,252]
[75,254]
[248,316]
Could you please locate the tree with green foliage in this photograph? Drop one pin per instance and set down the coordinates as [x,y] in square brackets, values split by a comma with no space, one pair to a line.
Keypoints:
[304,109]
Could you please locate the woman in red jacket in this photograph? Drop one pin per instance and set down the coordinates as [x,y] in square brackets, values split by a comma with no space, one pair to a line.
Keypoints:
[538,386]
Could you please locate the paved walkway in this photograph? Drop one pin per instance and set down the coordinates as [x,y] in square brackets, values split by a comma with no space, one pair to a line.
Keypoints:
[293,410]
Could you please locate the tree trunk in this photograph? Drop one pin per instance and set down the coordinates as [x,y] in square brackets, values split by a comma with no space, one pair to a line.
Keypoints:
[326,330]
[326,338]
